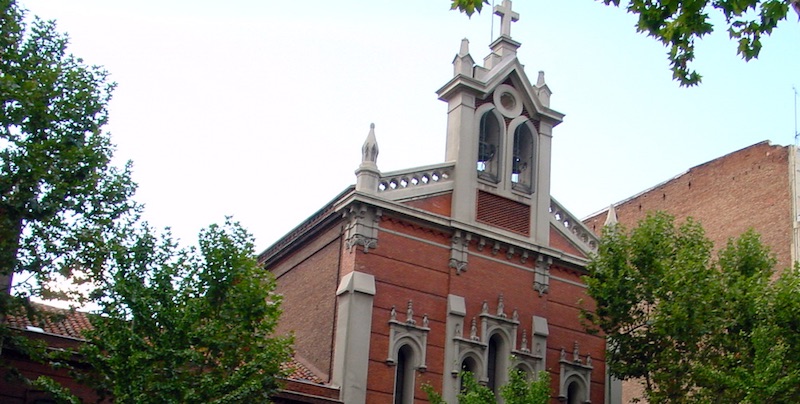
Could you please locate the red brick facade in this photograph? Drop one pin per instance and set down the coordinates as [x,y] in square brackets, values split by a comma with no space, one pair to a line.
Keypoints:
[749,188]
[410,263]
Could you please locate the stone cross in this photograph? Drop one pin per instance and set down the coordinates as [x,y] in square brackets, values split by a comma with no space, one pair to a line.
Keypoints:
[506,17]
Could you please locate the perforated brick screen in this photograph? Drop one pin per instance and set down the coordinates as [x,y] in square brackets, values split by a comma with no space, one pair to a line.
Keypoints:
[504,213]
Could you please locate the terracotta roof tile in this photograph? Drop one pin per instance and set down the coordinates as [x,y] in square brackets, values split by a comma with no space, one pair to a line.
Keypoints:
[296,371]
[58,321]
[72,323]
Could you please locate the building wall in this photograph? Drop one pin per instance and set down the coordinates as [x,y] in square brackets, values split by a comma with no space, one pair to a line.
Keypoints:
[410,263]
[307,280]
[13,391]
[749,188]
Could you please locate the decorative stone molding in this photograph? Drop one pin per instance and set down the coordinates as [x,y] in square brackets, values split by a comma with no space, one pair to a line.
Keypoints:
[532,360]
[408,333]
[578,371]
[541,274]
[362,226]
[416,178]
[576,231]
[459,251]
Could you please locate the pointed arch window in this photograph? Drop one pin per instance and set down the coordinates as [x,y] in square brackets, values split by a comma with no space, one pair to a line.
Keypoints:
[404,376]
[468,365]
[488,146]
[522,161]
[496,363]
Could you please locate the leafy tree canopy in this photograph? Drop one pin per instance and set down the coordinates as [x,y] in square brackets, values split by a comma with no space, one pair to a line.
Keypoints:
[59,195]
[518,390]
[677,24]
[185,325]
[691,328]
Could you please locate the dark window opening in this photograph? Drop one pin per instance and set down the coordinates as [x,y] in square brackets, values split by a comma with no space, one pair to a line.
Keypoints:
[522,159]
[488,145]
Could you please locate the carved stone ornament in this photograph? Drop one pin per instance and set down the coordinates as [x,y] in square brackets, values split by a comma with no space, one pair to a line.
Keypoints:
[459,251]
[575,372]
[541,274]
[408,333]
[362,226]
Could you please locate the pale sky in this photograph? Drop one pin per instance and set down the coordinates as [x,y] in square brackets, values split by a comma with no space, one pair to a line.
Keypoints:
[258,109]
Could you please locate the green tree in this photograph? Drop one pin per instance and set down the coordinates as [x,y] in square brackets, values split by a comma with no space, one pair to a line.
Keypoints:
[186,325]
[677,24]
[59,195]
[521,391]
[518,390]
[693,329]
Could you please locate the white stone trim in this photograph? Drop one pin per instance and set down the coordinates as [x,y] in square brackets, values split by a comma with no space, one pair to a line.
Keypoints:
[353,328]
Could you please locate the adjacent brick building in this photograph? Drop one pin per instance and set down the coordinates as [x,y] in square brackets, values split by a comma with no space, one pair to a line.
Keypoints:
[755,187]
[411,276]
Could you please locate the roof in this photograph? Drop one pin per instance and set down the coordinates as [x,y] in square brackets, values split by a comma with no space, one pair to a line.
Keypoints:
[56,321]
[71,324]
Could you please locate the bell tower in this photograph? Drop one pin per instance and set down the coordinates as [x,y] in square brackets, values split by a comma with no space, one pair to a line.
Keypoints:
[499,133]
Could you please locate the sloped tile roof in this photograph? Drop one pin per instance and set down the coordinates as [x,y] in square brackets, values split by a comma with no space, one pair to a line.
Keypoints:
[57,321]
[296,371]
[72,323]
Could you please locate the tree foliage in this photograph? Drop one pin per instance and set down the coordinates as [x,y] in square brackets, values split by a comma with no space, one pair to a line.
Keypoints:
[691,328]
[185,325]
[677,24]
[59,195]
[518,390]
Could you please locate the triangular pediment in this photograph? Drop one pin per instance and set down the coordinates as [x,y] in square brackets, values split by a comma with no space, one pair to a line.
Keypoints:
[486,81]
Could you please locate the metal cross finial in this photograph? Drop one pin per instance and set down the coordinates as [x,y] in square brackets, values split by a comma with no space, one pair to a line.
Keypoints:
[506,17]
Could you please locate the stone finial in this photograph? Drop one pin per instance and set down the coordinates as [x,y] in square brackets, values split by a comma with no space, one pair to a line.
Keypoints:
[367,174]
[611,217]
[507,16]
[563,354]
[425,320]
[515,315]
[501,307]
[410,313]
[464,50]
[393,314]
[485,307]
[576,355]
[369,151]
[540,79]
[473,331]
[458,330]
[524,347]
[463,62]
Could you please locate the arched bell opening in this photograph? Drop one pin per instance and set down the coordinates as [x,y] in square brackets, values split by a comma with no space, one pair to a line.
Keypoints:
[522,160]
[488,146]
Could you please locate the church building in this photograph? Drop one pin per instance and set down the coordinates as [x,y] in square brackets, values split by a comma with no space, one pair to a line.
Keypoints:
[410,277]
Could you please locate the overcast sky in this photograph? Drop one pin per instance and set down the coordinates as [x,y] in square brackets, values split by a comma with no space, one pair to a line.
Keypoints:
[258,109]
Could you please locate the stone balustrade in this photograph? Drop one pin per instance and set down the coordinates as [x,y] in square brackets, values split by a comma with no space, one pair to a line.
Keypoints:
[416,177]
[578,232]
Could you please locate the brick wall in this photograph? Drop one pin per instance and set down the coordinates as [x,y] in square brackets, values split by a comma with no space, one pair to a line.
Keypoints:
[308,279]
[749,188]
[406,268]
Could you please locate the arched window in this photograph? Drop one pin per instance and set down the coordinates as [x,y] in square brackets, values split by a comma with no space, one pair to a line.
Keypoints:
[404,376]
[574,393]
[488,146]
[522,166]
[496,363]
[468,365]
